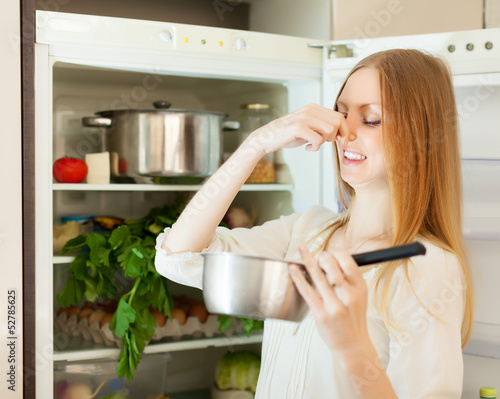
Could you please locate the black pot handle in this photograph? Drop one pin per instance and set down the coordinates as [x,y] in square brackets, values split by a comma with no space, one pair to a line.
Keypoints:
[393,253]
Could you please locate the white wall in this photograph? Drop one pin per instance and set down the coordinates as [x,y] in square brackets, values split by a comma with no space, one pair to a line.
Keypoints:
[291,17]
[11,194]
[221,13]
[356,19]
[353,19]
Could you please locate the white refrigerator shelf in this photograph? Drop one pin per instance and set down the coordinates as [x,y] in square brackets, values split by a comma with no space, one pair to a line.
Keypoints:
[160,187]
[77,349]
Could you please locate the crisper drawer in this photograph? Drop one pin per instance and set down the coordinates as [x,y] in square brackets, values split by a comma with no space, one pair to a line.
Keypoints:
[81,379]
[478,105]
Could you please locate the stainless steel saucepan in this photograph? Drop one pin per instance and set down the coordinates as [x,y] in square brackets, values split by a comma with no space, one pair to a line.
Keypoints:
[162,142]
[261,288]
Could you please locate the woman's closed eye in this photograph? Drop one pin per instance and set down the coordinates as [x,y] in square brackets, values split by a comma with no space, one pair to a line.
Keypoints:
[373,123]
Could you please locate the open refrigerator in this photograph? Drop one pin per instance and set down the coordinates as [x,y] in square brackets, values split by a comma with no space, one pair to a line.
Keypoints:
[85,64]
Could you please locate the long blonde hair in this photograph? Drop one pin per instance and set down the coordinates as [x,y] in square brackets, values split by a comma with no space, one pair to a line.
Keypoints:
[421,149]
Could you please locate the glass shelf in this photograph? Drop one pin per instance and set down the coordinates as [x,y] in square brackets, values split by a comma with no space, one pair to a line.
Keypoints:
[57,260]
[160,187]
[79,349]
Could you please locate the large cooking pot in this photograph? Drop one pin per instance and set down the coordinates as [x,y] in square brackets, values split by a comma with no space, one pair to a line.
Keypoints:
[162,142]
[261,288]
[250,286]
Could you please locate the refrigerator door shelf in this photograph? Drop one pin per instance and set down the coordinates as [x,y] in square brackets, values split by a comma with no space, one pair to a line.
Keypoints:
[477,97]
[480,180]
[481,199]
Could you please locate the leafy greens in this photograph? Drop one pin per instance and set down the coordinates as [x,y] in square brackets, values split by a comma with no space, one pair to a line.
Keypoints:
[109,263]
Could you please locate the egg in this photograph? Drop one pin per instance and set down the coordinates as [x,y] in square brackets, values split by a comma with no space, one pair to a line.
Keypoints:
[97,315]
[85,312]
[74,310]
[199,310]
[179,314]
[106,319]
[159,317]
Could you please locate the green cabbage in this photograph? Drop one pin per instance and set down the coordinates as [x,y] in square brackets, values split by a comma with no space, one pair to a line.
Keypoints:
[238,370]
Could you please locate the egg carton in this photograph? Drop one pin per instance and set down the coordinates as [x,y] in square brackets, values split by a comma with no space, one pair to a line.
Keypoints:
[68,325]
[192,327]
[171,330]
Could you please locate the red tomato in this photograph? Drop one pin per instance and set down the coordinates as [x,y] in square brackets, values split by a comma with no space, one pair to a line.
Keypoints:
[69,170]
[122,166]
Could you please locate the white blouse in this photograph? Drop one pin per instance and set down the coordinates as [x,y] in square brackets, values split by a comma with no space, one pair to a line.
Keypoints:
[423,358]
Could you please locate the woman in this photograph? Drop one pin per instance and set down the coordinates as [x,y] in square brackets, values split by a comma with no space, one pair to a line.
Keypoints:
[392,330]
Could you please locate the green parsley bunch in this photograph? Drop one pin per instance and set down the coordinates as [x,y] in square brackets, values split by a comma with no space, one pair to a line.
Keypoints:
[124,255]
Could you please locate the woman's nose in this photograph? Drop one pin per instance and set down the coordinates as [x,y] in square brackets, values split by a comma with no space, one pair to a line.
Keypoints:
[351,123]
[352,131]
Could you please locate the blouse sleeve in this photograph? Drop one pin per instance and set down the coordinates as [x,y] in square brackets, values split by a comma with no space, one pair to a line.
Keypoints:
[425,355]
[269,240]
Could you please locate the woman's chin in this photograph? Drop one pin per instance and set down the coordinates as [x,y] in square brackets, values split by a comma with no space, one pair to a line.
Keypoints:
[363,183]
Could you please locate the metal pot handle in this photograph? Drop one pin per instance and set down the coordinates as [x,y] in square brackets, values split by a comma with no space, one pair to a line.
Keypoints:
[162,104]
[96,121]
[230,125]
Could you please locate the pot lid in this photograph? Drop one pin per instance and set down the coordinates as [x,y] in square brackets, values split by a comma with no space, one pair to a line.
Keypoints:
[159,107]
